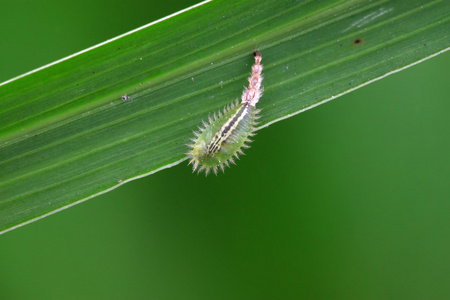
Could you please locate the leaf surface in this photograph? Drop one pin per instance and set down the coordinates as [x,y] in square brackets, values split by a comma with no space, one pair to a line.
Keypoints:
[66,135]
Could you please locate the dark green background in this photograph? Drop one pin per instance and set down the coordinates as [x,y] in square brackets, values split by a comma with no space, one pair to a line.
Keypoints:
[350,200]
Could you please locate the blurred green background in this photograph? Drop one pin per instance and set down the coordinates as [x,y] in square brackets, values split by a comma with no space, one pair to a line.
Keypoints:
[349,200]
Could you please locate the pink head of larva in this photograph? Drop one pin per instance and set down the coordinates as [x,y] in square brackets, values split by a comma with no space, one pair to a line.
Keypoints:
[254,91]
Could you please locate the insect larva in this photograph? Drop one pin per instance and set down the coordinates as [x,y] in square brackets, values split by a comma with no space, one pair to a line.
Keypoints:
[222,139]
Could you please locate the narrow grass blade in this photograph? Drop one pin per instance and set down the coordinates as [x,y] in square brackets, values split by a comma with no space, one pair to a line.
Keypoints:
[68,133]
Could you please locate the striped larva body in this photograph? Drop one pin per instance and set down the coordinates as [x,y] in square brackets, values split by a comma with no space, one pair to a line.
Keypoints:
[222,139]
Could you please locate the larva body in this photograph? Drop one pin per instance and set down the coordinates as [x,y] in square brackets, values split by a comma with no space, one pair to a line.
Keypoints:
[222,139]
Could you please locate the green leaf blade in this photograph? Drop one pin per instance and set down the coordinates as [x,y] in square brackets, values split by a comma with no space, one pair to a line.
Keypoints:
[66,135]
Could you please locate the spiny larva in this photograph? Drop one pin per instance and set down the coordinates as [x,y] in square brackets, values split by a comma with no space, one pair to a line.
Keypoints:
[222,139]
